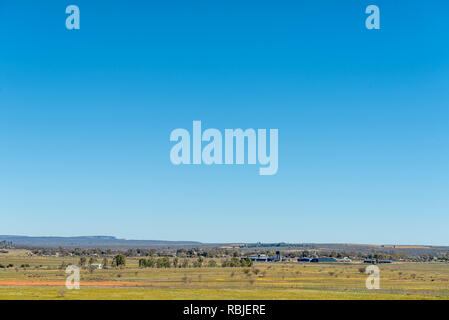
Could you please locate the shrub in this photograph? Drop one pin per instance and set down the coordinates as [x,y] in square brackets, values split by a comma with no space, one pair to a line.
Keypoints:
[198,263]
[212,264]
[163,262]
[143,263]
[246,262]
[119,260]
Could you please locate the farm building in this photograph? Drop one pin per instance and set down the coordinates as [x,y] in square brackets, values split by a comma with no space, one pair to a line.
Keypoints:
[304,259]
[324,260]
[374,261]
[345,259]
[265,258]
[371,261]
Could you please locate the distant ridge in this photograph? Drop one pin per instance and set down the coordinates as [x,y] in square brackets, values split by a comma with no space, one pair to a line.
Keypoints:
[110,242]
[90,241]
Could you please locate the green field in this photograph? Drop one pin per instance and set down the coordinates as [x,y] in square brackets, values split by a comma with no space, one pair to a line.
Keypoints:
[43,279]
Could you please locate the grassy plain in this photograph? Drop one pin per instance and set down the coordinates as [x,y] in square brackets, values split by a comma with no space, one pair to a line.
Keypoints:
[43,279]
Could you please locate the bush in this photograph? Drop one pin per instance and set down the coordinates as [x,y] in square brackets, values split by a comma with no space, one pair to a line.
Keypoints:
[163,262]
[212,264]
[82,262]
[198,263]
[143,263]
[119,260]
[246,262]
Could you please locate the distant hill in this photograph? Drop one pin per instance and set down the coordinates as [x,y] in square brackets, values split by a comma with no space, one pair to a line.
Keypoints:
[91,241]
[109,242]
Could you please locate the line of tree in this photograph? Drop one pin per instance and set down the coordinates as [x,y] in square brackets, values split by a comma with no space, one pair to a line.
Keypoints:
[419,254]
[236,262]
[165,262]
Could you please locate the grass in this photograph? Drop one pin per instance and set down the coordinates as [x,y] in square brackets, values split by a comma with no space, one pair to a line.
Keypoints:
[263,281]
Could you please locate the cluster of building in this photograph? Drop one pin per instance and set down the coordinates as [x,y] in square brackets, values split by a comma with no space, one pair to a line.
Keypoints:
[277,257]
[265,258]
[374,261]
[325,259]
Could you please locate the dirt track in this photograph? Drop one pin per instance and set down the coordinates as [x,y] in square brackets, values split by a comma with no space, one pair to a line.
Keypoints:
[27,283]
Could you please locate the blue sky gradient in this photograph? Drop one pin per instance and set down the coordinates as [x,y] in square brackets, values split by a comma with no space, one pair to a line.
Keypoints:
[363,119]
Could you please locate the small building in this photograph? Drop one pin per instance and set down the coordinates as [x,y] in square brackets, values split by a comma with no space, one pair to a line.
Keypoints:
[345,259]
[370,261]
[386,261]
[260,258]
[304,259]
[324,260]
[96,266]
[265,258]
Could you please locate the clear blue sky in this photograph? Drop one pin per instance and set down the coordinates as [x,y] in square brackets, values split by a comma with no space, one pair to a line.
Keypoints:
[363,119]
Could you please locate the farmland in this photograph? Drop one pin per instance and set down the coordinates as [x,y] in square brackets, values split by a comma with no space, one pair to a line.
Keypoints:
[42,277]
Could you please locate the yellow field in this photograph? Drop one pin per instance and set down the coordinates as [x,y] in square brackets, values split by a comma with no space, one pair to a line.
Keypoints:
[44,280]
